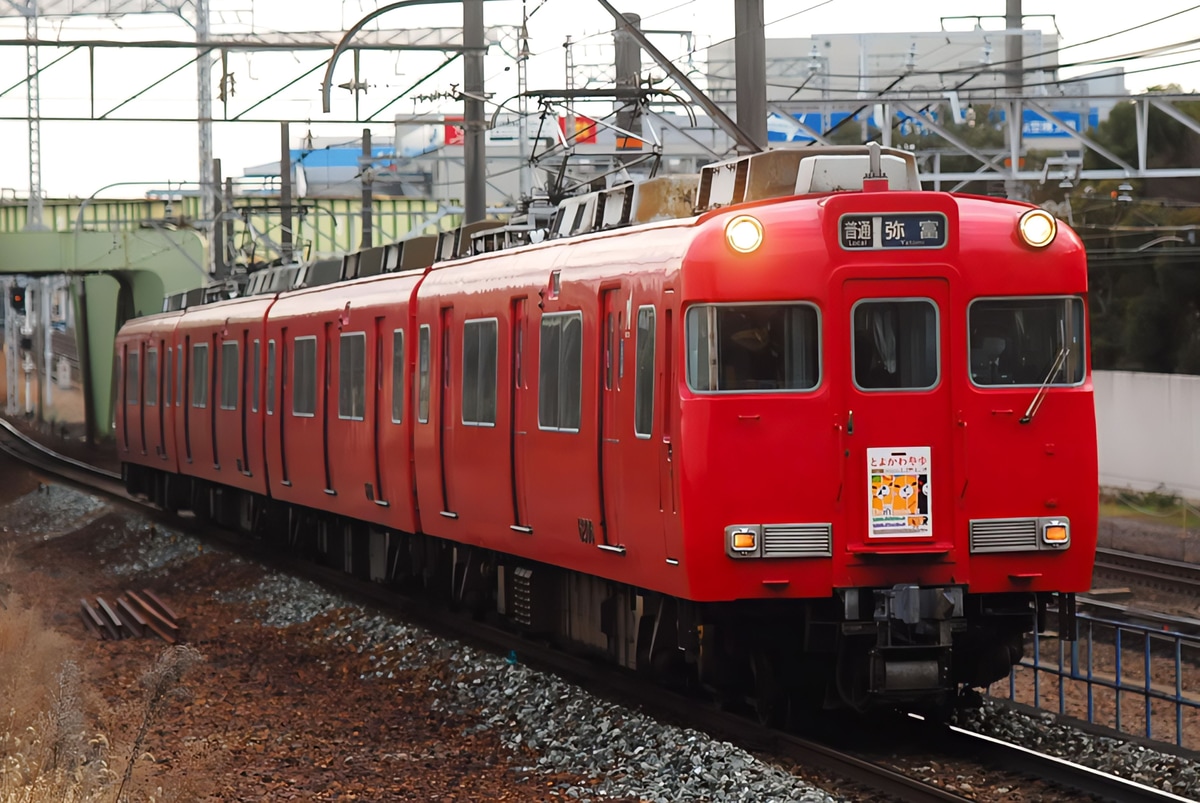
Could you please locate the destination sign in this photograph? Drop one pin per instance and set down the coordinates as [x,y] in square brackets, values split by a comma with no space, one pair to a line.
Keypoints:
[895,230]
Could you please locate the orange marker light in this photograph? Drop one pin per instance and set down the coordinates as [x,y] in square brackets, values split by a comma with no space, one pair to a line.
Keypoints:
[745,541]
[1055,533]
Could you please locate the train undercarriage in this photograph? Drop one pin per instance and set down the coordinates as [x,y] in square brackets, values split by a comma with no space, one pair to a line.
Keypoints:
[922,649]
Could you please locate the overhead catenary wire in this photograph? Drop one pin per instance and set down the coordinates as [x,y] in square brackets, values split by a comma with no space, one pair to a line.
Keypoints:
[1175,48]
[971,74]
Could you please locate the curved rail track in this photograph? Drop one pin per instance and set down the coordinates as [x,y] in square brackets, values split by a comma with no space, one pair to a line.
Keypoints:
[16,444]
[852,766]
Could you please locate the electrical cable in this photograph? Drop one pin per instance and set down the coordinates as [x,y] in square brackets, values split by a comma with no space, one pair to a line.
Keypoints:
[993,65]
[1172,49]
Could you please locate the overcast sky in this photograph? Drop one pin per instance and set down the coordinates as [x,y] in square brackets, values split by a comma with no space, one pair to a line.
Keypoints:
[80,157]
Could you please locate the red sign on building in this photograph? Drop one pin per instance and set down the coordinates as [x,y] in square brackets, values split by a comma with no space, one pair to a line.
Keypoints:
[585,129]
[454,133]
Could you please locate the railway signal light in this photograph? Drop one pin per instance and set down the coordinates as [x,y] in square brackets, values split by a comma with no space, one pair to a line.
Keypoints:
[16,299]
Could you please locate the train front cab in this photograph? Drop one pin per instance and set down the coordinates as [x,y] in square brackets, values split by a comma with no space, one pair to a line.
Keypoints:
[863,450]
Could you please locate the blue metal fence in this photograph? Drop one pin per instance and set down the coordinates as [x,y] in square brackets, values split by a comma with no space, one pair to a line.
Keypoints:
[1119,652]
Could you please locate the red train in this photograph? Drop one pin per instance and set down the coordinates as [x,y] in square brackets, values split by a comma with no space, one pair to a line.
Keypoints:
[809,434]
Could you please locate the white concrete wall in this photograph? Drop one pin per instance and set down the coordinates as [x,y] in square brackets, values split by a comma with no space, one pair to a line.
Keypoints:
[1149,431]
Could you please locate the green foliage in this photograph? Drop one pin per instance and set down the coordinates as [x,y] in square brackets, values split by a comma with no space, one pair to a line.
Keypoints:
[1148,332]
[1170,143]
[1144,274]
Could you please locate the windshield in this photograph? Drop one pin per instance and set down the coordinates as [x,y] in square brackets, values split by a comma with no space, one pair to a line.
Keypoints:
[1016,341]
[753,347]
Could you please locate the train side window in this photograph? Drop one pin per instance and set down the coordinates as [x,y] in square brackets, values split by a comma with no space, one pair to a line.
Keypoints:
[229,375]
[560,371]
[895,344]
[132,378]
[168,376]
[352,376]
[1022,341]
[152,377]
[179,377]
[739,348]
[257,364]
[200,375]
[270,377]
[423,370]
[480,341]
[397,376]
[643,385]
[304,373]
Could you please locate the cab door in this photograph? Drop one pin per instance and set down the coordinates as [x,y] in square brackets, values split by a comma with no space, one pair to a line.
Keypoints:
[898,418]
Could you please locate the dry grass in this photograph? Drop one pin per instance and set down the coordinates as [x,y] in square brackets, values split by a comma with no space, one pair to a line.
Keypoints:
[47,753]
[161,684]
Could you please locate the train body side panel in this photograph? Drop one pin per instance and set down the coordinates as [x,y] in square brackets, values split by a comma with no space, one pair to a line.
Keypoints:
[145,423]
[219,434]
[336,439]
[532,484]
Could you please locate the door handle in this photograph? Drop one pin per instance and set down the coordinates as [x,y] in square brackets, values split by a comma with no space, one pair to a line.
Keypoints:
[850,422]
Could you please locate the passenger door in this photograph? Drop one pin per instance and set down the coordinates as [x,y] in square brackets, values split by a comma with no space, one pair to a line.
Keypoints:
[523,415]
[899,470]
[446,427]
[611,367]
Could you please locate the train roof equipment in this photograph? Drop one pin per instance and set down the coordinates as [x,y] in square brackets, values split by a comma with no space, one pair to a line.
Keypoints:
[779,173]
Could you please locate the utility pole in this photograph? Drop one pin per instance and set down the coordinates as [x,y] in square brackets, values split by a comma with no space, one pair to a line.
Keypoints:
[285,193]
[750,58]
[33,209]
[629,75]
[475,146]
[569,56]
[522,105]
[1014,20]
[208,189]
[1015,75]
[220,265]
[366,173]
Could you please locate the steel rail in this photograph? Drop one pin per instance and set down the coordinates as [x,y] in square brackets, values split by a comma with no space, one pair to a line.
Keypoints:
[1099,785]
[53,456]
[1149,570]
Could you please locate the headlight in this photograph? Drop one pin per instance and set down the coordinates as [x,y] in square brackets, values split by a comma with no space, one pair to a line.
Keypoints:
[1037,228]
[744,234]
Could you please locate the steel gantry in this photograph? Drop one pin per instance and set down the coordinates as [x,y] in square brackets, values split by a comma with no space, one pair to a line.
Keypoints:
[209,49]
[1057,118]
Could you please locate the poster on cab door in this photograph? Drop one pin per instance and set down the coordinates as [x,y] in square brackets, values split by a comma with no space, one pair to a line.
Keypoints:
[899,487]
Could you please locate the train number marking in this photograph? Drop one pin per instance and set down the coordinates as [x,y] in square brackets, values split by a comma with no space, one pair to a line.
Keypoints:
[587,533]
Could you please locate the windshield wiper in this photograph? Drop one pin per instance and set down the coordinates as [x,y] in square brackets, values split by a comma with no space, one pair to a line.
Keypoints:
[1059,361]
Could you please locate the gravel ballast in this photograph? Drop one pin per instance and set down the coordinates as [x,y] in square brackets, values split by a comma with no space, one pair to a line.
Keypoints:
[582,746]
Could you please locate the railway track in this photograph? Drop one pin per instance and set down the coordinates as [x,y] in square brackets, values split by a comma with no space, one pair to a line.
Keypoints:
[1149,572]
[15,444]
[854,767]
